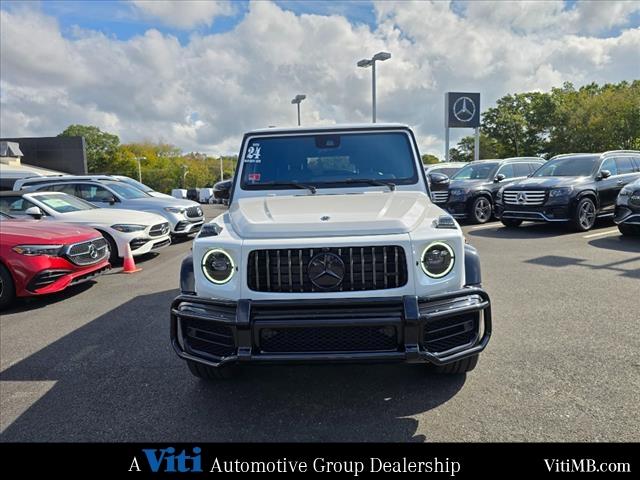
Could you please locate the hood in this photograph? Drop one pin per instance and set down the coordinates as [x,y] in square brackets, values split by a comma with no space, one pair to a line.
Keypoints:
[157,203]
[111,216]
[470,184]
[25,231]
[370,213]
[543,183]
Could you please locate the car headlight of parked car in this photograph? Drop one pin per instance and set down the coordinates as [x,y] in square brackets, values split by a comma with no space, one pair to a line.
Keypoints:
[175,209]
[458,192]
[33,250]
[560,192]
[127,227]
[218,266]
[437,259]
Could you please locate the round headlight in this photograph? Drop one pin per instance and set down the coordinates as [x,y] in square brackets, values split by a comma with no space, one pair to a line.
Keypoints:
[437,259]
[218,266]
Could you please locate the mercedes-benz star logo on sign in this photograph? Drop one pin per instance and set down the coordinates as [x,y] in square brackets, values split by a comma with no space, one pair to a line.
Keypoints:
[326,270]
[93,253]
[522,198]
[464,109]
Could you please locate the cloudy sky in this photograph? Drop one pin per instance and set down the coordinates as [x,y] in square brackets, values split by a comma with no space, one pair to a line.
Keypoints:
[197,74]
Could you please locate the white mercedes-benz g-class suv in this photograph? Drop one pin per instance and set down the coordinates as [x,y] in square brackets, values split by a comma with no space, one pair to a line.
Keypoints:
[331,250]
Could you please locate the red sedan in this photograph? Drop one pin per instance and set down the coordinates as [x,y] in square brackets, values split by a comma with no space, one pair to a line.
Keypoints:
[37,258]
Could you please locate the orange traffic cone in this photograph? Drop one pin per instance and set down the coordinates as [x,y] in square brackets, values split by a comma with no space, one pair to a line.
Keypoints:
[129,266]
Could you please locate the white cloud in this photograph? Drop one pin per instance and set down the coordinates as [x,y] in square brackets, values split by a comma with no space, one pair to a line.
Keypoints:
[204,94]
[184,14]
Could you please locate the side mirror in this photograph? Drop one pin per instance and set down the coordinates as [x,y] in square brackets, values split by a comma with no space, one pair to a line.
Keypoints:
[34,212]
[438,179]
[604,174]
[224,192]
[499,178]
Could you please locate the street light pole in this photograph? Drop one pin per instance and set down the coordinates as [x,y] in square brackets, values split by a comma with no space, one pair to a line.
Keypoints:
[297,100]
[371,62]
[140,168]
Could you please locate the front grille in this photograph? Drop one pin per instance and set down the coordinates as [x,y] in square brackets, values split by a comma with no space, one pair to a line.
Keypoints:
[181,226]
[88,253]
[365,268]
[448,333]
[159,229]
[440,197]
[46,278]
[524,197]
[194,212]
[329,339]
[202,336]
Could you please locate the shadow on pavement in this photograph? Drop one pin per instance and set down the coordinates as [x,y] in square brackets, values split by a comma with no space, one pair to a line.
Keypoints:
[619,242]
[118,379]
[23,304]
[620,266]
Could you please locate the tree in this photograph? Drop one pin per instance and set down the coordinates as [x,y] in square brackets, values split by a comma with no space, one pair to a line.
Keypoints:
[100,146]
[429,159]
[463,152]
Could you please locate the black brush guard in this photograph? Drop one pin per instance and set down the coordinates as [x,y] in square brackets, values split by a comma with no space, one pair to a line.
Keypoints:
[217,331]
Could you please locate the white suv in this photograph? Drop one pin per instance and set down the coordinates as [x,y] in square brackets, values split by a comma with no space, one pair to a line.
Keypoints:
[330,251]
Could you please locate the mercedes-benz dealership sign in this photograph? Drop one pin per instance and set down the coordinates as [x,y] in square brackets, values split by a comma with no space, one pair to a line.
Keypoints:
[463,109]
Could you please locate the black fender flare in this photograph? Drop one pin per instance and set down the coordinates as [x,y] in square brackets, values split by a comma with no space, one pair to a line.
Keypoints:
[472,270]
[187,279]
[480,193]
[585,193]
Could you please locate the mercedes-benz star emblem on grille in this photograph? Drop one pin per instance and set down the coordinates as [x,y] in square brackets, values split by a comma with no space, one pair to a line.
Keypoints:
[199,210]
[522,198]
[464,109]
[93,252]
[326,270]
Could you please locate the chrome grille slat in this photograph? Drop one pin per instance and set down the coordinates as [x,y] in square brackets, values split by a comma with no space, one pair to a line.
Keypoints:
[268,274]
[440,197]
[531,197]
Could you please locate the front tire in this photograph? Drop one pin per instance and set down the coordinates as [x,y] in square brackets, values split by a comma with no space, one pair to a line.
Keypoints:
[481,210]
[7,288]
[511,223]
[584,216]
[206,372]
[114,258]
[456,368]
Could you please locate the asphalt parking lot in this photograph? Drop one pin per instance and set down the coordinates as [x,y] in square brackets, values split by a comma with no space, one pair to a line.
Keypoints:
[94,363]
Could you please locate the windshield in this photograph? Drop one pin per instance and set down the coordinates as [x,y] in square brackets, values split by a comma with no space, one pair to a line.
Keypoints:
[477,171]
[63,203]
[126,191]
[136,184]
[328,161]
[448,171]
[579,166]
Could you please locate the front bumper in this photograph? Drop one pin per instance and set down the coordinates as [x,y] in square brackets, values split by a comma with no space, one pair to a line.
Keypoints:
[542,213]
[626,215]
[440,329]
[56,280]
[457,208]
[187,227]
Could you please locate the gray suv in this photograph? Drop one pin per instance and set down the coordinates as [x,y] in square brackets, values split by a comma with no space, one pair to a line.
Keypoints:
[184,216]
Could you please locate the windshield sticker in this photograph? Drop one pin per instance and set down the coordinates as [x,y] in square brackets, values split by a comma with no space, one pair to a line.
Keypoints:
[253,154]
[254,177]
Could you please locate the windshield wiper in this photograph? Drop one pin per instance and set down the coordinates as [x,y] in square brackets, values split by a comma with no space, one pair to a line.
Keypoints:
[370,181]
[302,186]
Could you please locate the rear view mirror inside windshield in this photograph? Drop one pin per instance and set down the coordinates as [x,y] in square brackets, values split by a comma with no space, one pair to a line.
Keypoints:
[327,141]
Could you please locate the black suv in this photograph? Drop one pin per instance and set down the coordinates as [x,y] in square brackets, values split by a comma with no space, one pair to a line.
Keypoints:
[627,214]
[574,188]
[473,189]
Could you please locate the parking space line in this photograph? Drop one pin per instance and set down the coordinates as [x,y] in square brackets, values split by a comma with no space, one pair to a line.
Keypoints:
[487,225]
[599,234]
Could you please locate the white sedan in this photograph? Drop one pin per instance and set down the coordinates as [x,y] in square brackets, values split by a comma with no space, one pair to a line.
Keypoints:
[143,231]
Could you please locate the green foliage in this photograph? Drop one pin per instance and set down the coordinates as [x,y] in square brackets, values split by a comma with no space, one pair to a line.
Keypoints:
[100,146]
[428,159]
[489,148]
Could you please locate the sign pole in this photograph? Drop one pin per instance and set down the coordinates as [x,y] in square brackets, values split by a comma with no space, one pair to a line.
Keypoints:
[446,127]
[476,145]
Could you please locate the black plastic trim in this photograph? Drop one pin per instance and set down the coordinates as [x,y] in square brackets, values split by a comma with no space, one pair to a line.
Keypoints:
[187,280]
